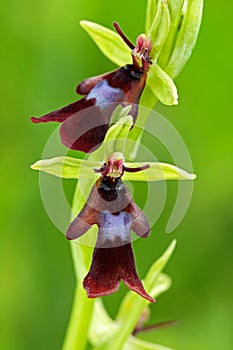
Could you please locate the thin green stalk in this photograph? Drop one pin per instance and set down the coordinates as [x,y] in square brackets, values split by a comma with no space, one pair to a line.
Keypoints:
[76,336]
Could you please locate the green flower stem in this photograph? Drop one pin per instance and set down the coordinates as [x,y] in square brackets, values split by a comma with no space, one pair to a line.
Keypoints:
[77,331]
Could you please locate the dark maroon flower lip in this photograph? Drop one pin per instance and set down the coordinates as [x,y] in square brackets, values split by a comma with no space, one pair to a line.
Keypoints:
[109,266]
[85,122]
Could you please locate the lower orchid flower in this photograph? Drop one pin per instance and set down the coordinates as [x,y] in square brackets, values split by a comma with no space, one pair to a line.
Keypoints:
[111,207]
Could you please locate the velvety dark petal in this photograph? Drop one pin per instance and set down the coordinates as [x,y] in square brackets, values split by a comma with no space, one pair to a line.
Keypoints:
[86,218]
[109,266]
[85,130]
[63,113]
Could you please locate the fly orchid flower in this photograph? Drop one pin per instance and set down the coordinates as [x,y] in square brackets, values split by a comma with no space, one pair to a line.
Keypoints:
[84,128]
[111,207]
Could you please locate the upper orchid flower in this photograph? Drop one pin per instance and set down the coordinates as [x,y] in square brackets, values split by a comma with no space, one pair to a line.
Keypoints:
[84,128]
[111,207]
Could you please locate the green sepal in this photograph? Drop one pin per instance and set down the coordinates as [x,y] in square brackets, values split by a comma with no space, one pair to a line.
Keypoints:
[162,86]
[109,42]
[74,168]
[156,172]
[66,167]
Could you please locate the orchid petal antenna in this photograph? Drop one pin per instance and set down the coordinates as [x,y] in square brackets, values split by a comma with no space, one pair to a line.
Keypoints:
[123,36]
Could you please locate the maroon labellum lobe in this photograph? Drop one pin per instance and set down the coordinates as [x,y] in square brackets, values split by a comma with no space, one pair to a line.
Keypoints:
[85,122]
[108,267]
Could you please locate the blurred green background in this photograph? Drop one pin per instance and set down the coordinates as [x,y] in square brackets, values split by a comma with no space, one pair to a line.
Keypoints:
[45,54]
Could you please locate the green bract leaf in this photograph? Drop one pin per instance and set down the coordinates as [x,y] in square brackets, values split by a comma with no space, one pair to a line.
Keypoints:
[163,32]
[187,36]
[175,11]
[163,283]
[150,14]
[102,326]
[66,167]
[156,21]
[162,85]
[116,136]
[109,42]
[158,266]
[156,172]
[119,112]
[139,344]
[175,7]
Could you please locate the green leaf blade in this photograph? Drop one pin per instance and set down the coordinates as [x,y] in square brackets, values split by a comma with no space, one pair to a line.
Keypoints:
[116,136]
